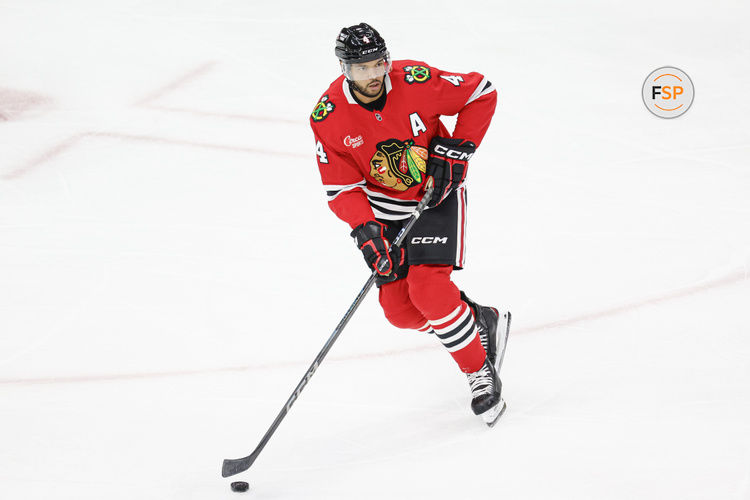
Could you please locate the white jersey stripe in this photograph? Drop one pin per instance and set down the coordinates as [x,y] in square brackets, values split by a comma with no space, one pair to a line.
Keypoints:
[382,215]
[332,191]
[391,206]
[336,187]
[481,90]
[347,92]
[378,194]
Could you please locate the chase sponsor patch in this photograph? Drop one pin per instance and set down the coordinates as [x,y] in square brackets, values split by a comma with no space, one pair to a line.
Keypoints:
[416,74]
[324,108]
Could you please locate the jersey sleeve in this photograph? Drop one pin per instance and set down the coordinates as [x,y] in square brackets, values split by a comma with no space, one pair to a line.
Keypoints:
[469,95]
[343,183]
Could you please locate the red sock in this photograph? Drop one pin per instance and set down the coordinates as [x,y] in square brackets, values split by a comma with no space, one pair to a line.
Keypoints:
[438,298]
[458,333]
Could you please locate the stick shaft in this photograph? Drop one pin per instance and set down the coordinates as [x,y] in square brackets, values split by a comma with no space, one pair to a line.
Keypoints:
[231,467]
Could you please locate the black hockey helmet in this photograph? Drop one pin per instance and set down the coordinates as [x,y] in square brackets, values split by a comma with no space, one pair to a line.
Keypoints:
[360,43]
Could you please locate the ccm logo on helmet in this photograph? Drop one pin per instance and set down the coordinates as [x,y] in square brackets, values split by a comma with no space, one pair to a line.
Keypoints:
[426,240]
[452,153]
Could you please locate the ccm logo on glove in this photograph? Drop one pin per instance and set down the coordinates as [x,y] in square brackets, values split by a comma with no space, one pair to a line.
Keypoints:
[446,164]
[452,153]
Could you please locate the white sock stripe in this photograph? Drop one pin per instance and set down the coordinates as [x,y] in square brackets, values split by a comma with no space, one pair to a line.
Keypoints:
[464,343]
[448,317]
[459,324]
[453,324]
[455,336]
[425,328]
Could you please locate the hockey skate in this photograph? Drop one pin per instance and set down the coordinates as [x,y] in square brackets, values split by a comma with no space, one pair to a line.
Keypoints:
[489,321]
[486,391]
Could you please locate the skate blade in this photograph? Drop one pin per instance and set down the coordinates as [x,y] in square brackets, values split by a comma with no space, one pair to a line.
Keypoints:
[502,342]
[492,415]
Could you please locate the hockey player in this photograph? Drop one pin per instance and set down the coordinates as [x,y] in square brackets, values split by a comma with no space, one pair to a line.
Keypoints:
[378,137]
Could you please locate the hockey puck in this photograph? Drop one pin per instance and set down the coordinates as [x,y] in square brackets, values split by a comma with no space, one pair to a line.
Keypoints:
[240,486]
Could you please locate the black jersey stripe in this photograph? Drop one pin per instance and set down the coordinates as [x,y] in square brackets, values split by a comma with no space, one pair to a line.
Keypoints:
[388,210]
[333,193]
[392,209]
[387,199]
[403,203]
[379,215]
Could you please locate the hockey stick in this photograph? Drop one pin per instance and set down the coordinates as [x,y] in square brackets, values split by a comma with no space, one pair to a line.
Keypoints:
[230,467]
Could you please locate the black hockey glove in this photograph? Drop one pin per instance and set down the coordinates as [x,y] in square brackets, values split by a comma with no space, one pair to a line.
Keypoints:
[447,165]
[377,250]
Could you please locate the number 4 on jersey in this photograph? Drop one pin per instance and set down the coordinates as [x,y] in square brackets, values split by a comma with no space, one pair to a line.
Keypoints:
[454,79]
[322,156]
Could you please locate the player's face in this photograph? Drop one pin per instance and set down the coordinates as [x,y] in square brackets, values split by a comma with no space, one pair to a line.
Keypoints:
[369,77]
[368,71]
[370,88]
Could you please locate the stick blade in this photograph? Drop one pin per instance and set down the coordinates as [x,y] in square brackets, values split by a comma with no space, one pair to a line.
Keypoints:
[232,466]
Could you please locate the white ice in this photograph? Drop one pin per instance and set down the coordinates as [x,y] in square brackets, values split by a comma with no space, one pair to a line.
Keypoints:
[169,267]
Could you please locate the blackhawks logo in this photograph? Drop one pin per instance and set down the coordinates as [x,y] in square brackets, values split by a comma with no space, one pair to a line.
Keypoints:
[418,74]
[322,109]
[398,164]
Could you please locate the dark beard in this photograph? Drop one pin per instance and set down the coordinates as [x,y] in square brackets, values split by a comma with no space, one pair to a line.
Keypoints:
[367,93]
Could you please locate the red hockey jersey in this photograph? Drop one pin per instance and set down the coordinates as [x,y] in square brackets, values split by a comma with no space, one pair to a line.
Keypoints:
[372,163]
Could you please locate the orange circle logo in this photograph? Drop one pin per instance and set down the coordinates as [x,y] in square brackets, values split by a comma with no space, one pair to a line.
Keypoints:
[668,92]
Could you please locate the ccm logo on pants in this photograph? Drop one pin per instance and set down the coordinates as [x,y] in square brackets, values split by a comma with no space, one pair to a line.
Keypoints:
[428,239]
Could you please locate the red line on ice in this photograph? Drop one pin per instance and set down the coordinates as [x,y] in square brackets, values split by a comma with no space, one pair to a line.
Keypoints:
[232,116]
[179,82]
[727,280]
[145,102]
[73,140]
[44,157]
[205,145]
[190,76]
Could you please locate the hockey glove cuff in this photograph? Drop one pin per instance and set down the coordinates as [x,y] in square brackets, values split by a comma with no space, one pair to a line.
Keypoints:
[370,239]
[446,165]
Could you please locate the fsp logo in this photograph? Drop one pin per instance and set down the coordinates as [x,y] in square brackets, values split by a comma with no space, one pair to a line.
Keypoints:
[426,240]
[668,92]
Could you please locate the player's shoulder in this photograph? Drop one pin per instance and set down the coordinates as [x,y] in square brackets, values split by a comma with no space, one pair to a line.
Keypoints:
[410,72]
[329,102]
[419,74]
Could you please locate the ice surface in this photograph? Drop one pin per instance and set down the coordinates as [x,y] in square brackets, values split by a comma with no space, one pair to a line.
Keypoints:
[157,175]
